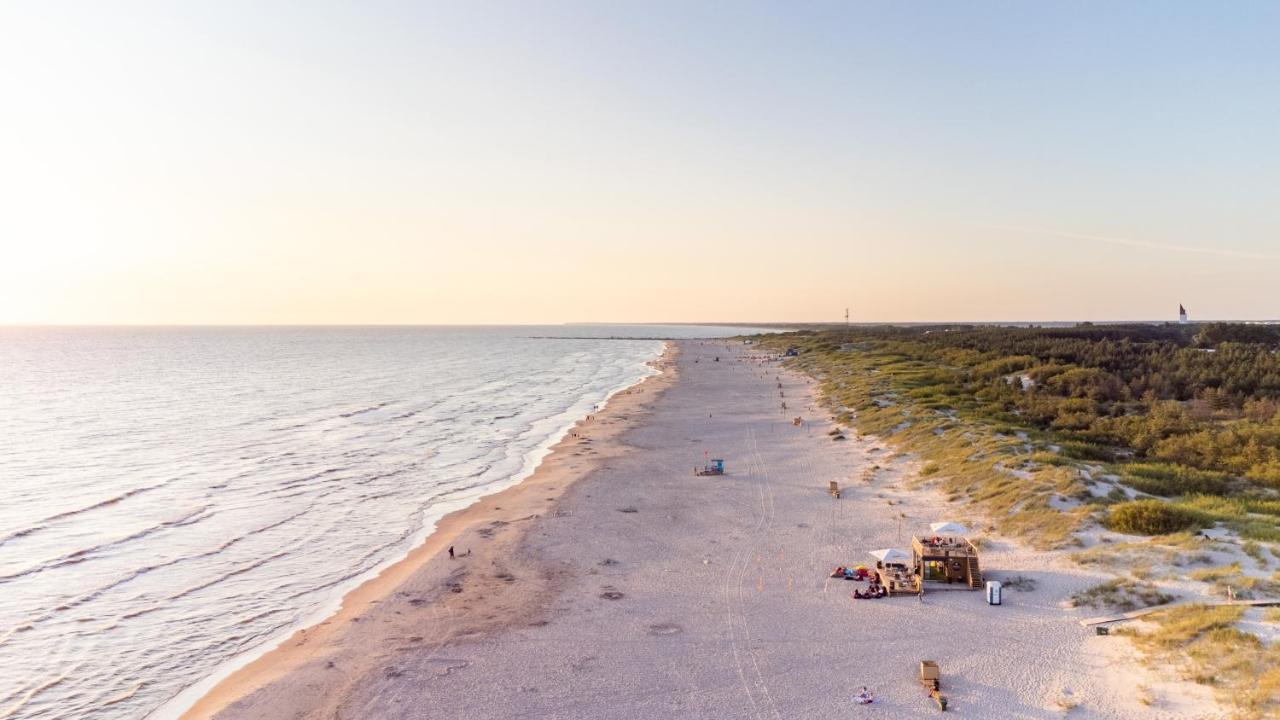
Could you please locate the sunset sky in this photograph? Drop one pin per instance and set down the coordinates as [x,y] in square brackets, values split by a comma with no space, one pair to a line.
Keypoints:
[538,162]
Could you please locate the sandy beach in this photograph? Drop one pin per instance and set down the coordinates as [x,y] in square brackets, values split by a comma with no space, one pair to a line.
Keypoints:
[615,584]
[468,595]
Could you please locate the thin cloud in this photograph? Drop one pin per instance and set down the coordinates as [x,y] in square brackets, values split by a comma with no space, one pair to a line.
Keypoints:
[1130,242]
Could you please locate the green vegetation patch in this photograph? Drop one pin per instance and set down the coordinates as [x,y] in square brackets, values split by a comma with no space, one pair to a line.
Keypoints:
[1148,517]
[1169,480]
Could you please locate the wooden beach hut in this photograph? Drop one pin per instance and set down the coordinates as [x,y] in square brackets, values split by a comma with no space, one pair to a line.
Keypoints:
[894,573]
[946,557]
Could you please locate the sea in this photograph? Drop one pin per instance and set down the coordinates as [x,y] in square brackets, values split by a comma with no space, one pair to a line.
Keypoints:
[175,501]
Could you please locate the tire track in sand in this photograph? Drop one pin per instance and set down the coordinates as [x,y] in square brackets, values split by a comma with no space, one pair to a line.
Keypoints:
[732,578]
[749,673]
[763,527]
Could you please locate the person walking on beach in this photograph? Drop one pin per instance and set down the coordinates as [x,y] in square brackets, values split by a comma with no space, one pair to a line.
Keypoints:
[450,552]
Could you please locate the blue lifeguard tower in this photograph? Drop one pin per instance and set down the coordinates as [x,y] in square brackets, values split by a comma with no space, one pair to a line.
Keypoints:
[714,466]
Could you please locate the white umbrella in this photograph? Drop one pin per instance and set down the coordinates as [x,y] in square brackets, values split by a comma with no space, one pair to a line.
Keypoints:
[948,528]
[890,555]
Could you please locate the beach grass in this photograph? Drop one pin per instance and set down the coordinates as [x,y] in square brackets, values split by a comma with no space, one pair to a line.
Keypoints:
[1203,643]
[916,407]
[1120,594]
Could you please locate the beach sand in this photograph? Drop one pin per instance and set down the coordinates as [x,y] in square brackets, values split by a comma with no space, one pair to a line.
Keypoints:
[616,584]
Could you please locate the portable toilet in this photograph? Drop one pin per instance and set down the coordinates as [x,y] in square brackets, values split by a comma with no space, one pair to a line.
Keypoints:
[993,592]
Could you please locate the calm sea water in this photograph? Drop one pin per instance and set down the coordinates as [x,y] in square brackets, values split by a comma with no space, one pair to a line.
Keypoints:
[173,499]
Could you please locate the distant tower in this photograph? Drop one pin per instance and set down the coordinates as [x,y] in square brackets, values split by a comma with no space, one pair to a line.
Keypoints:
[846,318]
[1182,314]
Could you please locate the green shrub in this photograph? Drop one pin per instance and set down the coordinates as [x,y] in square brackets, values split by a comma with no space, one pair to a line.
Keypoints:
[1087,451]
[1148,517]
[1048,458]
[1171,480]
[1266,473]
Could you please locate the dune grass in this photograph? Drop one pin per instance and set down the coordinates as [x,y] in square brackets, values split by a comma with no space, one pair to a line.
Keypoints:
[1120,594]
[1205,646]
[917,408]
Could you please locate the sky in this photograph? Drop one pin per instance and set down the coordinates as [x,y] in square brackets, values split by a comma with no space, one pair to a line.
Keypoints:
[545,162]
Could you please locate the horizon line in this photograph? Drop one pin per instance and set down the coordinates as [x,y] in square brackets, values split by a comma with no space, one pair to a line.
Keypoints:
[733,323]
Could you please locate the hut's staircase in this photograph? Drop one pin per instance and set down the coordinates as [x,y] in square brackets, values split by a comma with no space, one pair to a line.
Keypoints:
[975,575]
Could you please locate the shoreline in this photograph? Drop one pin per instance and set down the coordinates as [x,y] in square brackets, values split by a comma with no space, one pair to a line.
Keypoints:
[325,631]
[617,586]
